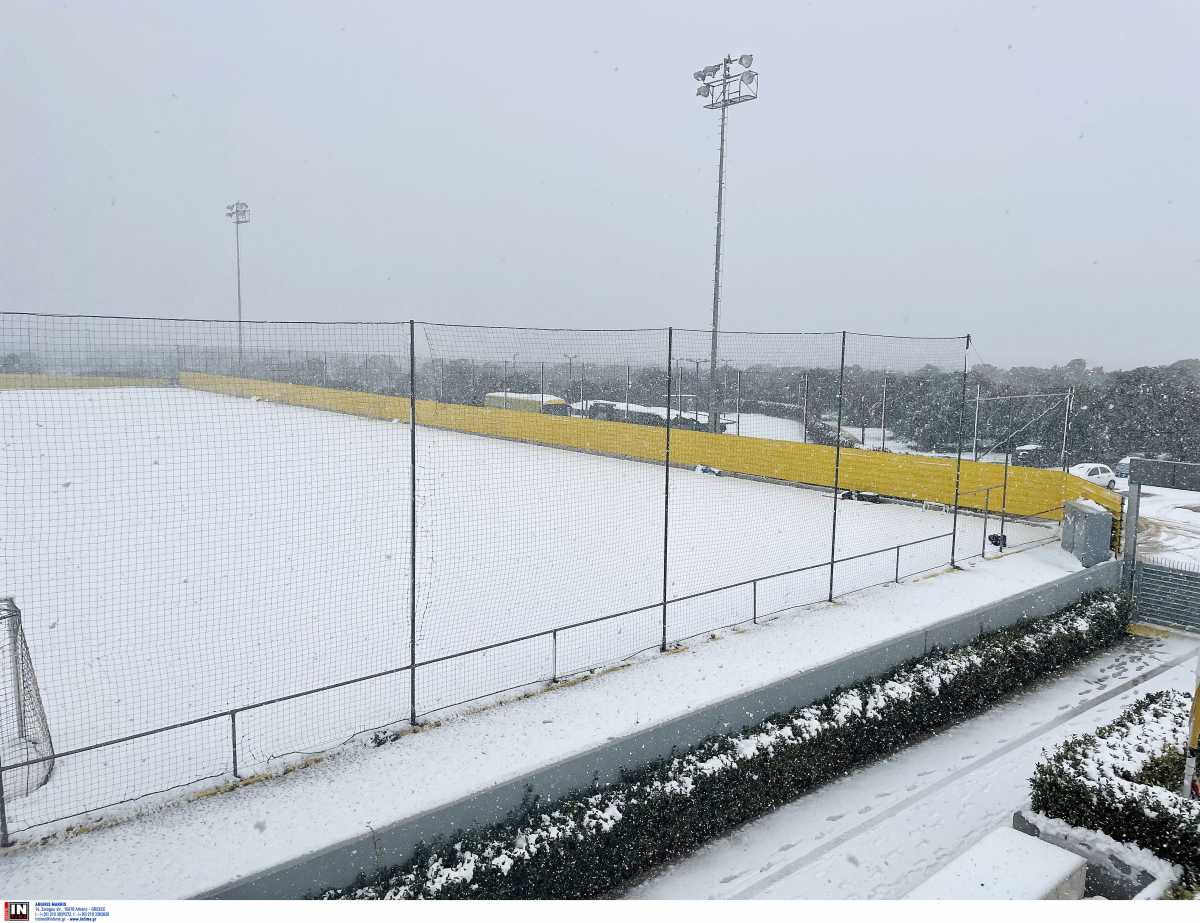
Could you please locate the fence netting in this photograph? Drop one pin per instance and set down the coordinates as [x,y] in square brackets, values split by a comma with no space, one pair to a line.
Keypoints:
[226,559]
[539,506]
[184,541]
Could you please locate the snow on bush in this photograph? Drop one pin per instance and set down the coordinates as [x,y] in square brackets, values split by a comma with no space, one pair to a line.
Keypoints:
[591,843]
[1092,781]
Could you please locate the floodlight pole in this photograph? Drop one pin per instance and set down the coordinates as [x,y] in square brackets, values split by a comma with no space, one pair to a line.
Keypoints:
[237,249]
[721,90]
[239,213]
[712,383]
[804,408]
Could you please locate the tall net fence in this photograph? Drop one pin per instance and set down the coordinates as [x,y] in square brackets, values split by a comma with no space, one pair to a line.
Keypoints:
[235,545]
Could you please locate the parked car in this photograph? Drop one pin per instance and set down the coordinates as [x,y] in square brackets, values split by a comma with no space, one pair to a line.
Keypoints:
[1122,467]
[1096,473]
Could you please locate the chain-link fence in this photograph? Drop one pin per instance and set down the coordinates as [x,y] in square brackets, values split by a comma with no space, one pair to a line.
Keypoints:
[233,548]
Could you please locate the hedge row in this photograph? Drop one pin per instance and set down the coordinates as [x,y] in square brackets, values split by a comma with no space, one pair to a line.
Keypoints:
[592,843]
[1100,781]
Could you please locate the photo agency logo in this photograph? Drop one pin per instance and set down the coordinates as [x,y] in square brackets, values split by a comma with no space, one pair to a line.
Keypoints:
[16,910]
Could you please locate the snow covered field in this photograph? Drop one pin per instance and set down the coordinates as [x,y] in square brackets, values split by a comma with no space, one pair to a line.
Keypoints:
[177,554]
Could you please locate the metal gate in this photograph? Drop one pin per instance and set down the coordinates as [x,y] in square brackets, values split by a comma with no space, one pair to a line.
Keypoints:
[1167,594]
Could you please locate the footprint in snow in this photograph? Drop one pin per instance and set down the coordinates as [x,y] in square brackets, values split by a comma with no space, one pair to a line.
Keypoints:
[785,847]
[865,809]
[833,817]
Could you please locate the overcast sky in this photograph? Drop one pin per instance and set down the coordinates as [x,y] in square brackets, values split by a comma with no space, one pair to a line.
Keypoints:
[1026,172]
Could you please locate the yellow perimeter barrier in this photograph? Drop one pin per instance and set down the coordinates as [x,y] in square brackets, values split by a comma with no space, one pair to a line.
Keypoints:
[26,381]
[1031,491]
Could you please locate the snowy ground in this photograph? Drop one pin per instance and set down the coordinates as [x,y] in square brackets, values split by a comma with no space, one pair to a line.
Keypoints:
[186,848]
[1169,525]
[764,426]
[884,830]
[176,554]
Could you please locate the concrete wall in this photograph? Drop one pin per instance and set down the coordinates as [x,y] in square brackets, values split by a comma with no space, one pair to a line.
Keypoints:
[340,863]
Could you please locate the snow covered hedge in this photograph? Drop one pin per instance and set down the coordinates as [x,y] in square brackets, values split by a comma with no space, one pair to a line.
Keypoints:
[591,843]
[1099,782]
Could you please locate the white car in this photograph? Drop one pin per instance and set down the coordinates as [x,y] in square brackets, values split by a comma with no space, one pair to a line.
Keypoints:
[1096,473]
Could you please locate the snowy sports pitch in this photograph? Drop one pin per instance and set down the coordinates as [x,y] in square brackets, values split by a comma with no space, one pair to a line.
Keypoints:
[177,554]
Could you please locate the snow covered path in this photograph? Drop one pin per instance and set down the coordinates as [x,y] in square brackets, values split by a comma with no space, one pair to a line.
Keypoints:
[882,831]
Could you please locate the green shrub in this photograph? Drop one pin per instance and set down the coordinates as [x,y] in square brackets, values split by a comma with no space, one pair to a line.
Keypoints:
[1110,781]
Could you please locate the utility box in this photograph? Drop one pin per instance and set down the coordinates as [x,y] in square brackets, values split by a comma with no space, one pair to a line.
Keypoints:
[1087,531]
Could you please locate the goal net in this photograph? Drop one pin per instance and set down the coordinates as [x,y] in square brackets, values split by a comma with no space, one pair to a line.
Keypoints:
[24,730]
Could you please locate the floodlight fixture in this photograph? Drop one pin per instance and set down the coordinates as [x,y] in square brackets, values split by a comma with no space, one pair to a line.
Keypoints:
[746,60]
[238,211]
[703,90]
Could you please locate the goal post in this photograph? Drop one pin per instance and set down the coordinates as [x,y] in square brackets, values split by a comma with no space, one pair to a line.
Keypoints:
[24,729]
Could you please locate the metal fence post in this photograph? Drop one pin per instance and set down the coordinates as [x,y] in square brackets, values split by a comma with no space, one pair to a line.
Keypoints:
[667,488]
[233,741]
[1130,527]
[412,524]
[804,409]
[883,417]
[628,387]
[4,840]
[837,466]
[987,502]
[897,563]
[754,601]
[739,402]
[962,406]
[975,436]
[1004,499]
